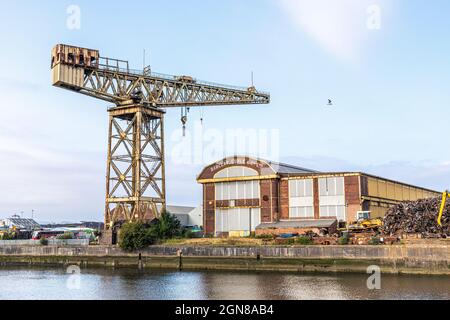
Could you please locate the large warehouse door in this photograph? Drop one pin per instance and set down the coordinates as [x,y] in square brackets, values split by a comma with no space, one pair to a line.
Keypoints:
[237,219]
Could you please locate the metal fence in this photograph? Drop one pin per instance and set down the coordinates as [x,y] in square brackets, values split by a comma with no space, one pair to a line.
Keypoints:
[51,242]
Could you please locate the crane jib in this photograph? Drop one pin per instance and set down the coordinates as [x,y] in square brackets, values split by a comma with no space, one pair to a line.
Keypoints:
[115,82]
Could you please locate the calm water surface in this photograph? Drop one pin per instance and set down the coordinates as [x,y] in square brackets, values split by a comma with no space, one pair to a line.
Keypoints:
[97,284]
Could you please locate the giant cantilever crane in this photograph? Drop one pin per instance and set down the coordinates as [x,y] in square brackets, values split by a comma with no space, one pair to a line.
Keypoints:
[135,182]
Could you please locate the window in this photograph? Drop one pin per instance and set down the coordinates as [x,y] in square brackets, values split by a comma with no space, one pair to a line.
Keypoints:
[249,190]
[70,58]
[241,194]
[237,171]
[219,194]
[301,188]
[301,212]
[237,190]
[232,190]
[333,212]
[301,199]
[332,197]
[331,186]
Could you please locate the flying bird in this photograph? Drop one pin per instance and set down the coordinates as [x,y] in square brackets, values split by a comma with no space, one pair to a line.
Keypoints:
[330,103]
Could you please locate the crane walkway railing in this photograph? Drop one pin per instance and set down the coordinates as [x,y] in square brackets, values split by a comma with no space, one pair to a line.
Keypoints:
[122,66]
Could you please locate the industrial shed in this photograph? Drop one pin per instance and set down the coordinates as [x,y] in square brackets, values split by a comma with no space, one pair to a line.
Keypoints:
[242,194]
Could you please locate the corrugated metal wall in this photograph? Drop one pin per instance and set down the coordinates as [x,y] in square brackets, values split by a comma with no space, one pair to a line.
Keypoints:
[67,75]
[379,188]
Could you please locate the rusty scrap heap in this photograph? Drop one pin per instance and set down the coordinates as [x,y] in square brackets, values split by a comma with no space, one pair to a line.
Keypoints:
[418,217]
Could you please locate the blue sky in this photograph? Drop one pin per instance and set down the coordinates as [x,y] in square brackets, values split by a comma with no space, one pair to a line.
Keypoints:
[389,87]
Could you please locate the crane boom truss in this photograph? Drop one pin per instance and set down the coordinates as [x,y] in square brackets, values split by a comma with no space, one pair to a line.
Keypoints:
[119,86]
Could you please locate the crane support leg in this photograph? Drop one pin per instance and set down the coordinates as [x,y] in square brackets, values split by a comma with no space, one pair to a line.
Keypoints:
[135,187]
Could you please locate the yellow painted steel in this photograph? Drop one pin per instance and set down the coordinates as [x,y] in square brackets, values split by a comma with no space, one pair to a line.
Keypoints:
[396,191]
[218,180]
[239,234]
[322,175]
[445,195]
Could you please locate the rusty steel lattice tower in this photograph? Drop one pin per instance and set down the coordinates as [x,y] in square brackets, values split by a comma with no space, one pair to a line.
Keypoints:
[135,167]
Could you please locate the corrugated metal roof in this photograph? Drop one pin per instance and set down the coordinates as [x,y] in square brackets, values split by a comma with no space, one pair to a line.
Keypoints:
[284,168]
[317,223]
[178,209]
[23,223]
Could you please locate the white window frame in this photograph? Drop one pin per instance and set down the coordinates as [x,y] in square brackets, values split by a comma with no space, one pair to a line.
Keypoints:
[226,190]
[301,205]
[244,172]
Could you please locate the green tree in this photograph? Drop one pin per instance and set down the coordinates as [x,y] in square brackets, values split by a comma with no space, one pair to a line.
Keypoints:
[135,236]
[167,227]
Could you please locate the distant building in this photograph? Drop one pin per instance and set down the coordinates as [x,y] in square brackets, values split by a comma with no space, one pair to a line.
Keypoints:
[19,223]
[82,224]
[196,217]
[92,225]
[188,216]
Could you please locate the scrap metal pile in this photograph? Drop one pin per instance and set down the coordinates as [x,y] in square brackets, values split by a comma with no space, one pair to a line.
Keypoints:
[419,217]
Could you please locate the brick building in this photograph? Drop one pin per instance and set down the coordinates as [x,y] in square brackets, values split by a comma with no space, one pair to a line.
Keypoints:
[241,194]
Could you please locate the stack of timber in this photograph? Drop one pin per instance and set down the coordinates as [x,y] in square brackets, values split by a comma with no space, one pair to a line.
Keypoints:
[418,217]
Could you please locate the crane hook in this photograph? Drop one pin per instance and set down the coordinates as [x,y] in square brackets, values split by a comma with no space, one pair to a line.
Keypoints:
[184,120]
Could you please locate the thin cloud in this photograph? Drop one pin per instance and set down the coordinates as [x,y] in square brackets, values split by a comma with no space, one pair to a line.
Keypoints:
[340,27]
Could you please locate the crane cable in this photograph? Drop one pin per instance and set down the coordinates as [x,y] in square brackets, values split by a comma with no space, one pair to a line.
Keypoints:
[201,115]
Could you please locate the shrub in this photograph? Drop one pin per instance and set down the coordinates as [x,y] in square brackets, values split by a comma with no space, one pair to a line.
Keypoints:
[188,234]
[343,241]
[136,235]
[43,241]
[65,236]
[265,236]
[304,241]
[375,241]
[167,227]
[7,236]
[290,241]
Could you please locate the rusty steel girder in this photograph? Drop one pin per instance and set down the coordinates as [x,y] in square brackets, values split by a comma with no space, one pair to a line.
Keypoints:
[135,167]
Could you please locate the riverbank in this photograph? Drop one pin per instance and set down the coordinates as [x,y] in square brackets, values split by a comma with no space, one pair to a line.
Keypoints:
[401,259]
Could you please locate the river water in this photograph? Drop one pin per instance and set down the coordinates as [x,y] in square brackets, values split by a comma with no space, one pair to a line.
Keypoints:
[98,284]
